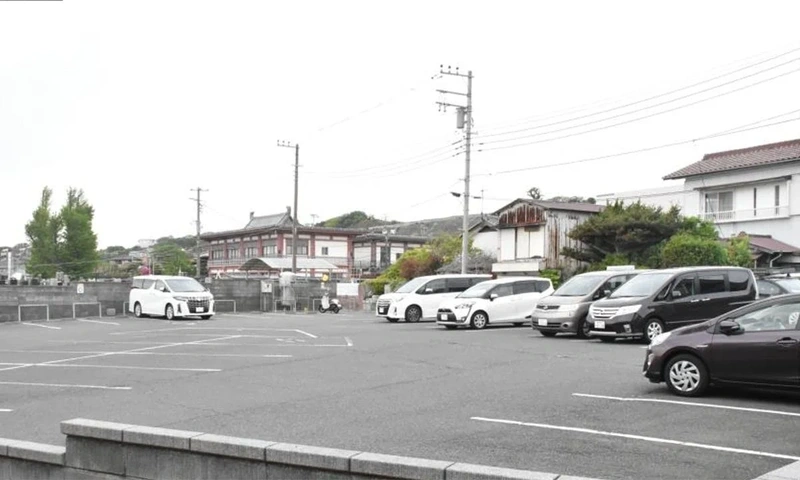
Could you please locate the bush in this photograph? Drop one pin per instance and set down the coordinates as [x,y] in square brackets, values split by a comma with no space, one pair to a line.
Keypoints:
[683,250]
[739,252]
[553,275]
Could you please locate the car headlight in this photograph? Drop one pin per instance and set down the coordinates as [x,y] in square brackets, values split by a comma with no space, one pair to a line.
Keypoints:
[182,299]
[628,309]
[591,310]
[462,306]
[659,339]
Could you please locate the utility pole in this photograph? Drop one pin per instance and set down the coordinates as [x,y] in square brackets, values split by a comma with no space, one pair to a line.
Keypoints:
[294,213]
[463,120]
[199,208]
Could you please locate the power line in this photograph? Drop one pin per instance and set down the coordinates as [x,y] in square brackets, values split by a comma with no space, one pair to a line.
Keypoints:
[660,96]
[402,168]
[605,127]
[641,150]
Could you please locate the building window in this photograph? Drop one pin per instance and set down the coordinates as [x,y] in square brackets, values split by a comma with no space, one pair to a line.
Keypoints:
[233,252]
[755,202]
[270,250]
[397,256]
[301,249]
[251,252]
[777,199]
[325,250]
[217,254]
[719,206]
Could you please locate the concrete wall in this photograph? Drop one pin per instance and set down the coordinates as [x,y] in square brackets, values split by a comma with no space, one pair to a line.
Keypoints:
[102,450]
[245,292]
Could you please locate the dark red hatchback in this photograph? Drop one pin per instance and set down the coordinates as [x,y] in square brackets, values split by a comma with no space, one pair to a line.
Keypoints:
[756,345]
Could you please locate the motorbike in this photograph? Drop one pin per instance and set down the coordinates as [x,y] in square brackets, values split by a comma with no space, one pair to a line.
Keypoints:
[329,305]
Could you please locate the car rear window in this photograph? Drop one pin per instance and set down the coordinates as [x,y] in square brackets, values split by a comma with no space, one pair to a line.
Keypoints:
[738,280]
[712,283]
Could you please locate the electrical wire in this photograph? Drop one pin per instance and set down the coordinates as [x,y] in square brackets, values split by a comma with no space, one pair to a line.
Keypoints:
[631,152]
[402,168]
[660,96]
[605,127]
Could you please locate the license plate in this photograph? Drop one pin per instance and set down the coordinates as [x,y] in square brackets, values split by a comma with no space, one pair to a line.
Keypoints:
[200,309]
[381,310]
[542,322]
[443,316]
[599,324]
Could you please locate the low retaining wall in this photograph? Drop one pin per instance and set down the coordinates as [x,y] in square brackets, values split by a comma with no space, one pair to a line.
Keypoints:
[98,450]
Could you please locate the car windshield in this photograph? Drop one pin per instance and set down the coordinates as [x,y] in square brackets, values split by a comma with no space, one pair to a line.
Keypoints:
[790,284]
[642,285]
[477,291]
[579,286]
[411,285]
[188,285]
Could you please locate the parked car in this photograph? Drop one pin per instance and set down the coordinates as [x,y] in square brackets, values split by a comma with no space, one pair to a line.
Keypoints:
[565,311]
[419,298]
[755,345]
[778,285]
[505,300]
[660,300]
[170,297]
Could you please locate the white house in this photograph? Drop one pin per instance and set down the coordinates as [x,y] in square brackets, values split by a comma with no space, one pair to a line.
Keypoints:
[531,234]
[755,190]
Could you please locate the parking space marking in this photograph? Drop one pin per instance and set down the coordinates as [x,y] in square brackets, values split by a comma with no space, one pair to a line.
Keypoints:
[65,385]
[40,325]
[5,410]
[349,342]
[127,367]
[306,334]
[98,321]
[638,437]
[692,404]
[231,329]
[162,354]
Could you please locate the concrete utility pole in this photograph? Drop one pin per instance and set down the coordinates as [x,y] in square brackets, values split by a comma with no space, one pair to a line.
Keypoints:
[199,208]
[294,213]
[463,120]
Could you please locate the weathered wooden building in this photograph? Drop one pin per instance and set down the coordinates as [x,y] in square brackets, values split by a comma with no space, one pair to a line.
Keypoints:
[532,233]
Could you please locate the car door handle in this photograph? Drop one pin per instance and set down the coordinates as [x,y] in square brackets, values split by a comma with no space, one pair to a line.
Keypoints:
[705,299]
[787,342]
[694,301]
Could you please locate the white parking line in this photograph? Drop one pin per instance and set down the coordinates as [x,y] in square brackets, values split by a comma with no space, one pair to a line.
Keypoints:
[223,329]
[40,325]
[63,385]
[788,472]
[639,437]
[126,367]
[306,334]
[349,342]
[692,404]
[161,354]
[98,321]
[5,410]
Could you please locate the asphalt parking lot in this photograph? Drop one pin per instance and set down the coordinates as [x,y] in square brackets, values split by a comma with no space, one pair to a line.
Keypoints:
[503,396]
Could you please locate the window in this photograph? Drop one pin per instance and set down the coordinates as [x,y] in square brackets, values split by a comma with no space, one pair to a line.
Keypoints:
[738,281]
[397,256]
[531,286]
[270,250]
[614,283]
[146,284]
[755,202]
[251,252]
[771,318]
[457,284]
[767,289]
[777,199]
[217,254]
[233,252]
[160,285]
[477,280]
[684,287]
[502,290]
[325,250]
[301,249]
[436,286]
[719,205]
[712,283]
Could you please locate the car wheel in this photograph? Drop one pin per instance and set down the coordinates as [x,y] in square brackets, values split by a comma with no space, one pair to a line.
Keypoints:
[686,376]
[547,334]
[169,312]
[450,327]
[479,320]
[584,328]
[413,314]
[137,310]
[652,329]
[393,320]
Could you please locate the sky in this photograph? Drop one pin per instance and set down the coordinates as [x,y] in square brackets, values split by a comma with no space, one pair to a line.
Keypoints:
[138,103]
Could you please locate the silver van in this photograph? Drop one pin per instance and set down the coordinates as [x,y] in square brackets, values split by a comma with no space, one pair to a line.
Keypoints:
[566,309]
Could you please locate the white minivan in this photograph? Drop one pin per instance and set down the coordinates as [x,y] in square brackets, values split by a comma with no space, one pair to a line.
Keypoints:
[419,299]
[505,300]
[169,297]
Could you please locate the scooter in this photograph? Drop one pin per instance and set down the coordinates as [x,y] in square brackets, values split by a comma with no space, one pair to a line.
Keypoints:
[329,305]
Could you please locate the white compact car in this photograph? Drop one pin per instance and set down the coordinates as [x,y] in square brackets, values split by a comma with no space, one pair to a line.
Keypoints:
[418,299]
[169,297]
[505,300]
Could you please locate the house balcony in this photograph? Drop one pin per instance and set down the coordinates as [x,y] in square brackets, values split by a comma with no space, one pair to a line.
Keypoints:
[238,262]
[747,215]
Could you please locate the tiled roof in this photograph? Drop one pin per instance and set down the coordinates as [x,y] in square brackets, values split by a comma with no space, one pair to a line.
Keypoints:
[269,221]
[569,206]
[768,244]
[757,156]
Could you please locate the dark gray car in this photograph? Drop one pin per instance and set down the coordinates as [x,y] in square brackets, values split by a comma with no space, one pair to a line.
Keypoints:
[565,310]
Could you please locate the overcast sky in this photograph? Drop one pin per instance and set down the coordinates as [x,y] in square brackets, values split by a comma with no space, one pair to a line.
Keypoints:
[139,102]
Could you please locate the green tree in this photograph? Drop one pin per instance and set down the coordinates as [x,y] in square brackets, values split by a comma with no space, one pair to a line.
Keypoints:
[172,259]
[447,247]
[685,249]
[77,250]
[42,232]
[739,252]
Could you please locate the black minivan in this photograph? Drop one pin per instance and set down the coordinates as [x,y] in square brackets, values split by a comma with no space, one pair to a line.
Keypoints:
[660,300]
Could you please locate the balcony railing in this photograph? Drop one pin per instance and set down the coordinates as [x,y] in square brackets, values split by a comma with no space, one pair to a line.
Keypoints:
[238,262]
[747,214]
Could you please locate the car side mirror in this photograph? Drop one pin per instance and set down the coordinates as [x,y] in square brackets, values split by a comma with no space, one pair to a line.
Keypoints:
[730,327]
[493,296]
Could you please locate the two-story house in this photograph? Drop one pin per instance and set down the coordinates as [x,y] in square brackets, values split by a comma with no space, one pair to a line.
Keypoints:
[751,190]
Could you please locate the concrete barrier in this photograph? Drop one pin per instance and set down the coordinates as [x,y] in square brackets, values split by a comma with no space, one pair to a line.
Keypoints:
[97,450]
